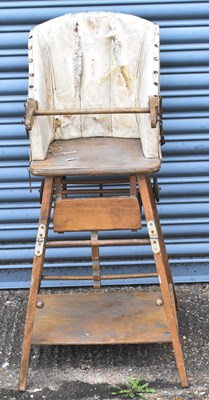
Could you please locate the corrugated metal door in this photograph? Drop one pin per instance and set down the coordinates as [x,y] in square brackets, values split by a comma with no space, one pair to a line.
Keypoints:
[184,177]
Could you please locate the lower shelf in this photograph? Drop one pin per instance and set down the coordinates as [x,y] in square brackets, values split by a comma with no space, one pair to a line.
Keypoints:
[100,318]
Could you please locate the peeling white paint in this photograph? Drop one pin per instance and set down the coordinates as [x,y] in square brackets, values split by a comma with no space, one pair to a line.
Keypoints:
[94,60]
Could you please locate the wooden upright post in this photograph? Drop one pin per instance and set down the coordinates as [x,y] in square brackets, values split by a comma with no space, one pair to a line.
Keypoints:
[163,269]
[36,278]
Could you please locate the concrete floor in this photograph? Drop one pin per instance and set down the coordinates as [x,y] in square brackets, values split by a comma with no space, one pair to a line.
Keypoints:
[87,372]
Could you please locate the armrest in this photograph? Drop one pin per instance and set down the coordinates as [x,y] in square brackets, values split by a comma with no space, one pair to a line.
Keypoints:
[30,110]
[154,105]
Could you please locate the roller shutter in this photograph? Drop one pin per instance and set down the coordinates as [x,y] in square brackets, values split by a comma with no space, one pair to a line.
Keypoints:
[184,177]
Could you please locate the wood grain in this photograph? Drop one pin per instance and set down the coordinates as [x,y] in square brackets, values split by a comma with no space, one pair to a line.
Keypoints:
[96,214]
[100,318]
[95,156]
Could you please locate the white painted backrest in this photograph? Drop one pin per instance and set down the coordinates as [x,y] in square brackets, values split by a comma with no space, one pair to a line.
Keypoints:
[94,60]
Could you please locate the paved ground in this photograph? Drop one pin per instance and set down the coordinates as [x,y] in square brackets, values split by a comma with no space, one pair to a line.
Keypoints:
[87,372]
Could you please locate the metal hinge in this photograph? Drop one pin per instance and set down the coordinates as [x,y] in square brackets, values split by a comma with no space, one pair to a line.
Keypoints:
[153,236]
[40,240]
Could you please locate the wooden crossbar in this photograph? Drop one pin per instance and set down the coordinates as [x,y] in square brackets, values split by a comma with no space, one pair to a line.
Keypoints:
[102,242]
[102,277]
[33,111]
[90,111]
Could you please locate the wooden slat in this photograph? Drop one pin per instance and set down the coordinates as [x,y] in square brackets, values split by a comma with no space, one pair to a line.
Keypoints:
[103,277]
[100,318]
[96,214]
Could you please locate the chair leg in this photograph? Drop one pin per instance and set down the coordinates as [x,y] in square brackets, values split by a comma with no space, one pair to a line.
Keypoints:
[35,281]
[162,244]
[163,270]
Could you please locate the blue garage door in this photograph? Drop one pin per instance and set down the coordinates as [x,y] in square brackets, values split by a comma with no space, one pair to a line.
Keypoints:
[184,177]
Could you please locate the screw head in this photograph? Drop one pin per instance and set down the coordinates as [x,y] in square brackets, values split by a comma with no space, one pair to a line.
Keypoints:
[39,304]
[159,302]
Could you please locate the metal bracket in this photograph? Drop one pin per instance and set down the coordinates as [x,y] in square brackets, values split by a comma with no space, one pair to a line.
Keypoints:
[156,189]
[29,179]
[162,136]
[153,237]
[40,240]
[41,190]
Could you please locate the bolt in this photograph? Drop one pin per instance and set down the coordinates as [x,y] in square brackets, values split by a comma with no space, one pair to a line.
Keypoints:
[39,304]
[159,302]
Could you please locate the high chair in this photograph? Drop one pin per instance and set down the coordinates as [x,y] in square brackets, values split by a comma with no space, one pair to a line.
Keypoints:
[94,110]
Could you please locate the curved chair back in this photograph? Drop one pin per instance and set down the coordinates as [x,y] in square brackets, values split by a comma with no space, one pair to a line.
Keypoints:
[94,60]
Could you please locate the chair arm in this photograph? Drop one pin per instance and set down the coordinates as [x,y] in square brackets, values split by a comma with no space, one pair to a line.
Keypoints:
[30,111]
[155,106]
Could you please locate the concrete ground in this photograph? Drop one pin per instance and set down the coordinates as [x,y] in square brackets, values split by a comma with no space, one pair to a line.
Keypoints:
[87,372]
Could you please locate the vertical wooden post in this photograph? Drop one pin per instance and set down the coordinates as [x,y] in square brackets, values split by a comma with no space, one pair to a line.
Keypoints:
[58,188]
[132,180]
[163,270]
[95,261]
[36,278]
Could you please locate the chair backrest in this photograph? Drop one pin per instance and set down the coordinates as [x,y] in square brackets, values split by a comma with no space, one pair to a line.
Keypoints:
[94,60]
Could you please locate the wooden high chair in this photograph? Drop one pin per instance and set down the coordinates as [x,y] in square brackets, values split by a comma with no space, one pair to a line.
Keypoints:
[94,110]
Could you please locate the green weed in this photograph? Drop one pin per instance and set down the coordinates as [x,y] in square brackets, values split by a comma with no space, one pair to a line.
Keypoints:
[133,389]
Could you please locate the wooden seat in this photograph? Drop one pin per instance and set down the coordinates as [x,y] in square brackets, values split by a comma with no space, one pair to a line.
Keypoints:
[95,156]
[94,111]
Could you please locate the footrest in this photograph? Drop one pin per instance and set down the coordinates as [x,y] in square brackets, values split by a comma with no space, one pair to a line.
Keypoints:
[96,214]
[100,318]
